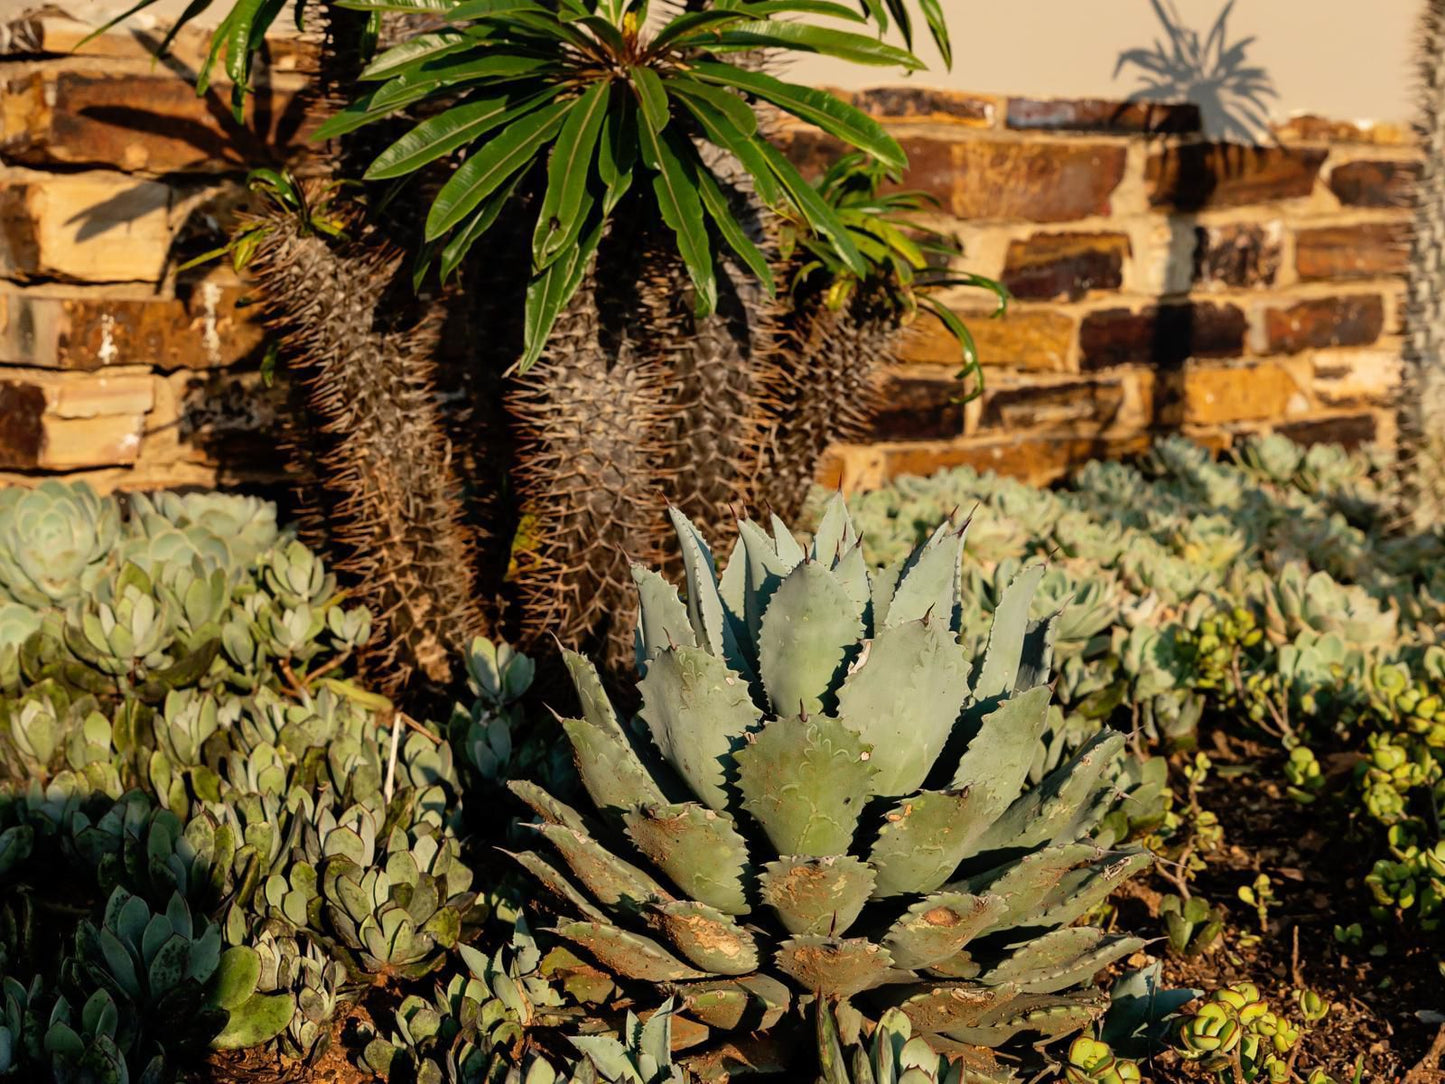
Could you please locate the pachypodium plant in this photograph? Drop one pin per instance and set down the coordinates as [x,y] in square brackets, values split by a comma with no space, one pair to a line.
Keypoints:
[789,703]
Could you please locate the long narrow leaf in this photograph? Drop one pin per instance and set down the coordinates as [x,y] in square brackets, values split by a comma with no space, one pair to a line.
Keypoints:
[651,96]
[395,5]
[725,102]
[807,38]
[440,135]
[819,215]
[691,23]
[938,27]
[479,222]
[745,148]
[676,187]
[422,47]
[617,148]
[549,291]
[559,223]
[720,211]
[491,167]
[821,108]
[486,9]
[829,8]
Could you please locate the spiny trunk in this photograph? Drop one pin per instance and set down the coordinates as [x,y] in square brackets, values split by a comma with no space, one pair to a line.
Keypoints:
[594,423]
[825,390]
[384,489]
[1422,414]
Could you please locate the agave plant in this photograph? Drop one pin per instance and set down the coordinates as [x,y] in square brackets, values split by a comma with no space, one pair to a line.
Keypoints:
[794,698]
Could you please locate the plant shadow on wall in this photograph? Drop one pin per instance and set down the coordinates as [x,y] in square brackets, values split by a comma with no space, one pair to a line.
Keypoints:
[1208,70]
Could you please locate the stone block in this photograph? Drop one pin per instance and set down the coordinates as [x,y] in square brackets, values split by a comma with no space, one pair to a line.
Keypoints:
[144,121]
[47,426]
[1353,320]
[1100,115]
[1308,128]
[918,405]
[22,423]
[1160,335]
[1197,176]
[1238,254]
[1031,339]
[1352,377]
[1351,430]
[1367,250]
[904,103]
[1086,406]
[1048,266]
[85,227]
[1035,182]
[1218,394]
[76,443]
[1374,184]
[202,327]
[1039,459]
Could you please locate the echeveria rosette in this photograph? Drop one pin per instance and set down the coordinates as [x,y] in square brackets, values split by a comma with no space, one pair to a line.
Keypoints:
[606,102]
[55,542]
[832,799]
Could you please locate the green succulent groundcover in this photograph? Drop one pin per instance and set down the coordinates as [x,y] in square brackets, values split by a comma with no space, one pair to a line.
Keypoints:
[879,779]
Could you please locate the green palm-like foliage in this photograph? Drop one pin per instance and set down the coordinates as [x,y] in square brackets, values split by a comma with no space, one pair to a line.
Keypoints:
[607,103]
[832,800]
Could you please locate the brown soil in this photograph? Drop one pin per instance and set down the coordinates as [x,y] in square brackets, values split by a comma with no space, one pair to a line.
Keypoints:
[1316,866]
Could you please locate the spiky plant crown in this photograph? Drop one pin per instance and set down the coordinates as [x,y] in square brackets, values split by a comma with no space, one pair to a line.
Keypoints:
[832,800]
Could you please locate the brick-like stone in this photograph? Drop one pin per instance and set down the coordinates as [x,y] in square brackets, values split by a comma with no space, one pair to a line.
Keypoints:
[1374,184]
[1047,266]
[22,423]
[1071,406]
[148,121]
[1031,339]
[202,327]
[1238,254]
[1038,460]
[102,395]
[1218,394]
[1102,116]
[1353,377]
[928,104]
[76,443]
[1035,182]
[1354,320]
[1351,430]
[918,406]
[1308,128]
[1160,335]
[1367,250]
[87,227]
[1207,175]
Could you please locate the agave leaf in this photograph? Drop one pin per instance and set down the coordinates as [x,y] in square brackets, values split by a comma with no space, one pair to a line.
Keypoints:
[1002,658]
[551,878]
[805,781]
[808,628]
[1059,959]
[611,881]
[545,806]
[997,760]
[948,1005]
[837,967]
[698,711]
[628,954]
[611,770]
[709,618]
[924,838]
[663,621]
[937,927]
[930,580]
[820,896]
[764,571]
[1048,1015]
[904,699]
[835,534]
[756,1000]
[698,848]
[708,938]
[1057,810]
